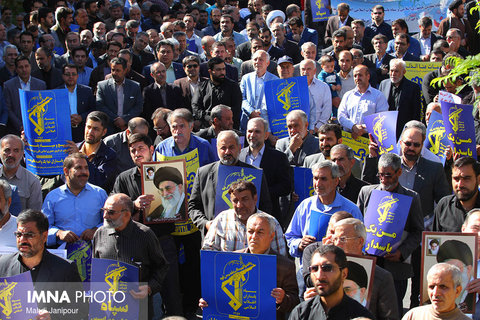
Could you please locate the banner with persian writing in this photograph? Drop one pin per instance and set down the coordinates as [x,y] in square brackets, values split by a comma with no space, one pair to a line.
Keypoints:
[460,128]
[437,141]
[383,127]
[14,301]
[385,220]
[320,11]
[46,122]
[359,145]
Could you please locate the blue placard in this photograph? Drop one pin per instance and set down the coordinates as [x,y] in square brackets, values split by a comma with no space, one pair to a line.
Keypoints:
[385,220]
[118,278]
[46,121]
[437,141]
[283,96]
[320,11]
[58,50]
[460,128]
[230,174]
[74,27]
[303,178]
[80,252]
[318,224]
[14,302]
[383,127]
[238,285]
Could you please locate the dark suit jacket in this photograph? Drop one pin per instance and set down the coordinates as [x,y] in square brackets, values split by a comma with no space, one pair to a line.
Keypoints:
[275,53]
[308,35]
[409,105]
[231,72]
[429,91]
[152,99]
[244,51]
[247,67]
[385,64]
[12,99]
[433,38]
[413,227]
[279,176]
[410,57]
[54,78]
[177,69]
[286,280]
[98,74]
[310,146]
[106,99]
[85,105]
[292,50]
[383,300]
[430,181]
[333,25]
[201,205]
[187,95]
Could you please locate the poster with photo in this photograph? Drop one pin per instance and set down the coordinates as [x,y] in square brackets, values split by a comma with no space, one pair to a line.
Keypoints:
[359,282]
[166,181]
[459,249]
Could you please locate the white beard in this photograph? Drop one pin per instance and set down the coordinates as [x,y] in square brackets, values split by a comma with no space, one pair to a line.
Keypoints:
[170,207]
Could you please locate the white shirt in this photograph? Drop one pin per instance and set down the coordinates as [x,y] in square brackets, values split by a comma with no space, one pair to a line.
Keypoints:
[255,161]
[320,103]
[7,238]
[25,86]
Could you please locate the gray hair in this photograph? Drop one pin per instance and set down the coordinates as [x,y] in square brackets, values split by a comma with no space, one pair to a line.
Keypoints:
[181,113]
[390,160]
[217,111]
[327,164]
[305,61]
[469,214]
[396,62]
[347,149]
[6,189]
[12,137]
[417,125]
[258,52]
[228,133]
[259,119]
[307,45]
[446,267]
[265,216]
[298,114]
[10,46]
[358,226]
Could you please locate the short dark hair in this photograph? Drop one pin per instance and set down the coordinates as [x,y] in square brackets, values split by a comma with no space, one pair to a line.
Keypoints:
[425,22]
[68,162]
[214,61]
[380,37]
[114,43]
[30,215]
[401,23]
[295,21]
[43,12]
[339,33]
[99,116]
[468,161]
[80,48]
[404,36]
[119,61]
[340,257]
[20,58]
[139,137]
[69,65]
[188,59]
[228,16]
[164,43]
[243,185]
[331,127]
[26,33]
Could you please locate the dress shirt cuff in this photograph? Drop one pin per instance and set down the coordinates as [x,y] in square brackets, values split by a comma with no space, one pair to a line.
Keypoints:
[294,252]
[346,124]
[52,236]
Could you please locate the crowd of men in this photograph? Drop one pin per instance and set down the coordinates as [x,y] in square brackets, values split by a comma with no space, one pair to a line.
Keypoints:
[162,78]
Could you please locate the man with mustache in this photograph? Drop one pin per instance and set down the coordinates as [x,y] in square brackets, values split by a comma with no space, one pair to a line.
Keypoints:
[28,186]
[201,205]
[73,210]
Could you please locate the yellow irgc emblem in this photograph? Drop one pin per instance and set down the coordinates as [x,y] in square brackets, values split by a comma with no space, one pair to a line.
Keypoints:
[37,112]
[240,176]
[284,96]
[384,214]
[380,133]
[236,278]
[6,293]
[112,277]
[454,119]
[435,138]
[78,256]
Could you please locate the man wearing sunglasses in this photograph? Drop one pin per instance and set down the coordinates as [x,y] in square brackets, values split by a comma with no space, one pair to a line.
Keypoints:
[328,271]
[419,174]
[389,172]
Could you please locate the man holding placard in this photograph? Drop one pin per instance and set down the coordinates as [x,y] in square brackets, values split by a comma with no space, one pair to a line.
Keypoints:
[396,258]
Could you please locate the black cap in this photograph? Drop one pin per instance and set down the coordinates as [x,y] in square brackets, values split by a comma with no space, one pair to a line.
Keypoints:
[454,249]
[455,4]
[167,174]
[357,274]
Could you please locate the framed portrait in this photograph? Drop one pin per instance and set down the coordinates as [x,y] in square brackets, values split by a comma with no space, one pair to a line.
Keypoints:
[166,181]
[456,248]
[359,282]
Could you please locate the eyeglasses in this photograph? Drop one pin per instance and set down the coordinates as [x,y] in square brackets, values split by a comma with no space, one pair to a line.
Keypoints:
[384,175]
[324,267]
[409,144]
[28,235]
[112,212]
[342,239]
[160,128]
[190,66]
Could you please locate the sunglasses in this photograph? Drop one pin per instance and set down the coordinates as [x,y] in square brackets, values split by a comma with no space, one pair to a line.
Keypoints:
[28,235]
[324,267]
[409,144]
